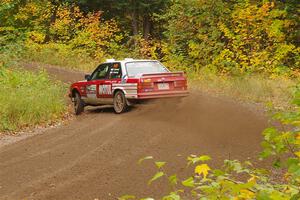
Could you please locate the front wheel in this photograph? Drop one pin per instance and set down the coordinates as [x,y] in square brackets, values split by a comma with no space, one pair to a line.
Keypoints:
[78,104]
[120,102]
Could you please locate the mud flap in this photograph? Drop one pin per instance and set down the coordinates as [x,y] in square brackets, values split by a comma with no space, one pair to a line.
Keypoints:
[128,102]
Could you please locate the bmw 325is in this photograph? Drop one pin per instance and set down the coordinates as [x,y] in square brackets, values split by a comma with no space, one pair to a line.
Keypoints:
[125,82]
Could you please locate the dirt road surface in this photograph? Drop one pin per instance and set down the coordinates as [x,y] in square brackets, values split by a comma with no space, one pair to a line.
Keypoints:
[95,155]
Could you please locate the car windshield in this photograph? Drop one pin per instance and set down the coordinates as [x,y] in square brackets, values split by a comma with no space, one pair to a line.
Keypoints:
[144,67]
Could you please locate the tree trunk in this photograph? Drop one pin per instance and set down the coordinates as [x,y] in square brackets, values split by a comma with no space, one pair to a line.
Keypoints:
[134,22]
[146,26]
[51,21]
[72,25]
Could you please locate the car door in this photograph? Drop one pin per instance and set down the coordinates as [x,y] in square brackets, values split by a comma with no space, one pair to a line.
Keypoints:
[114,77]
[95,88]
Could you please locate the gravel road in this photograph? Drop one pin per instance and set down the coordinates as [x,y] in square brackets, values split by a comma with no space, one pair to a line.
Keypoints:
[95,155]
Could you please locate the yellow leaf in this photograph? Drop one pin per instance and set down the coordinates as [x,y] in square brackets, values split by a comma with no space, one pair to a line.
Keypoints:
[298,153]
[252,179]
[247,194]
[202,169]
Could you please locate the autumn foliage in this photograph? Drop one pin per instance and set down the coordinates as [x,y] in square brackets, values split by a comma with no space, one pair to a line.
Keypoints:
[192,35]
[226,37]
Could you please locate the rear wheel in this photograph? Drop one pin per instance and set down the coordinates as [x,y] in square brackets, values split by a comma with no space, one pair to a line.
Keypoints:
[78,104]
[120,102]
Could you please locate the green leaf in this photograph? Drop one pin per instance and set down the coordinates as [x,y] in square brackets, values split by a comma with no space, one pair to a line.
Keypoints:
[188,182]
[270,133]
[296,197]
[248,163]
[293,166]
[292,161]
[263,195]
[145,158]
[193,159]
[204,158]
[218,172]
[160,164]
[172,196]
[155,177]
[173,179]
[277,163]
[265,153]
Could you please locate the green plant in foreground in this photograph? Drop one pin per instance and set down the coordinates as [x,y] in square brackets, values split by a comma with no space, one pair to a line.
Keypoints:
[284,143]
[237,180]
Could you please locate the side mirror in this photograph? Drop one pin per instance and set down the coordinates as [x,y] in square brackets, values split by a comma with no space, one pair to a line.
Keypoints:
[87,77]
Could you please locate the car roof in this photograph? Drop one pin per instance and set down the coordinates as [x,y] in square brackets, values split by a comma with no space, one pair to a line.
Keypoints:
[126,60]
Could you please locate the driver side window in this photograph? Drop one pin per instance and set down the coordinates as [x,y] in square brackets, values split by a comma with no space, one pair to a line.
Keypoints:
[100,72]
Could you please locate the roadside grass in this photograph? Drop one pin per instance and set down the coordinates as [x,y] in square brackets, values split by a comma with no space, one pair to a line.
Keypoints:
[252,88]
[28,99]
[276,92]
[60,55]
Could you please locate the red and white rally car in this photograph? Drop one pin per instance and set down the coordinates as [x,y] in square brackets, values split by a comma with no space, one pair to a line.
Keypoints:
[123,83]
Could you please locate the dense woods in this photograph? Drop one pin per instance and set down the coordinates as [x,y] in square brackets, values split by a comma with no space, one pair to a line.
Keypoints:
[228,37]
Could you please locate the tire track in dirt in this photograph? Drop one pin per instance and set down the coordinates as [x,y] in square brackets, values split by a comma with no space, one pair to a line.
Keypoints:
[95,155]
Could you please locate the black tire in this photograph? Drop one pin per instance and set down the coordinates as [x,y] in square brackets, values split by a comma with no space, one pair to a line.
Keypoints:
[120,102]
[78,104]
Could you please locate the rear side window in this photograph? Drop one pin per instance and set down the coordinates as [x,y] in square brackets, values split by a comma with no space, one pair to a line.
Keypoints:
[144,67]
[115,71]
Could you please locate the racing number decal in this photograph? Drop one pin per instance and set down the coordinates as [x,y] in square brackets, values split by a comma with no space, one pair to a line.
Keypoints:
[105,89]
[91,89]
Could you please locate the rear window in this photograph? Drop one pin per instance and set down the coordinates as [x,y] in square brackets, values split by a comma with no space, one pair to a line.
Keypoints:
[144,67]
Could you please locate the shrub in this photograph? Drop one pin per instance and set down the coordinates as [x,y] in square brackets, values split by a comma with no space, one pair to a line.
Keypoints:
[28,99]
[231,38]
